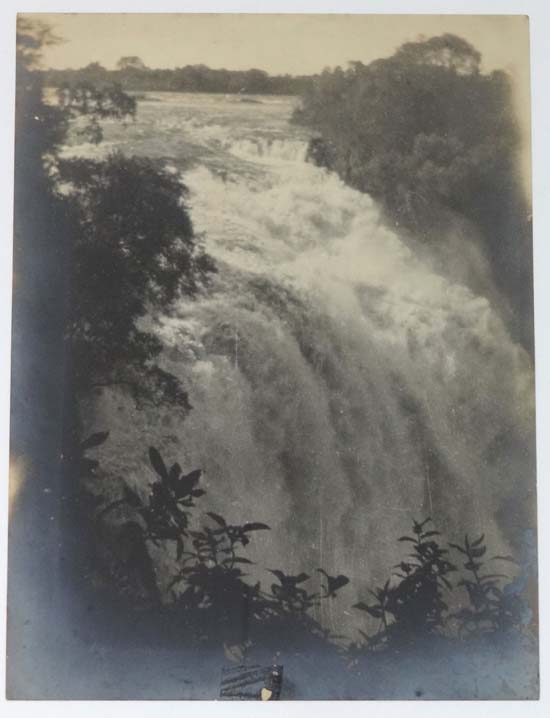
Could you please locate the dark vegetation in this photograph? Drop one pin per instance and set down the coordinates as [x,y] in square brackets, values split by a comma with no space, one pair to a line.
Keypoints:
[212,598]
[98,246]
[205,592]
[109,242]
[412,604]
[426,133]
[116,234]
[134,252]
[133,75]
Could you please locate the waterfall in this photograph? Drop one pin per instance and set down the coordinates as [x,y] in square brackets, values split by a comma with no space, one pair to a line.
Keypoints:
[341,385]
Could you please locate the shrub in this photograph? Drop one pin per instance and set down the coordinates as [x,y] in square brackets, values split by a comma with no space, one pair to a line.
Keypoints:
[414,606]
[494,606]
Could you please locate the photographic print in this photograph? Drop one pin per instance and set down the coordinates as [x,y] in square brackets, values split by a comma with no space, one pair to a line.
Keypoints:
[273,410]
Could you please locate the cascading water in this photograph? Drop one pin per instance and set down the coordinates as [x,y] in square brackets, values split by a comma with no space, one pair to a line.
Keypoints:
[340,385]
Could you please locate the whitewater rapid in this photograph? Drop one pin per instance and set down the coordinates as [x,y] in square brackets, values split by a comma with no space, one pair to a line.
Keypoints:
[341,383]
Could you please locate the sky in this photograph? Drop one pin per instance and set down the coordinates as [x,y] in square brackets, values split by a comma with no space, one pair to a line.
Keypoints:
[295,44]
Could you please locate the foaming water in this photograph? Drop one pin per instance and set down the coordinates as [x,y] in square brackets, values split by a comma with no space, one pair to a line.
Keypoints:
[340,386]
[266,148]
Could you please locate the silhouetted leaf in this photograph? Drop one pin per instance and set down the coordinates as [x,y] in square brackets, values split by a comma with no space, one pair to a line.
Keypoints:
[334,583]
[255,526]
[362,606]
[217,518]
[193,476]
[174,473]
[185,485]
[375,611]
[477,552]
[431,533]
[157,463]
[338,582]
[94,440]
[458,548]
[418,526]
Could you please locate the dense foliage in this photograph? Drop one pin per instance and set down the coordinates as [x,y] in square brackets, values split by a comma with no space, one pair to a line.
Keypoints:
[98,245]
[415,602]
[425,131]
[134,251]
[206,585]
[117,230]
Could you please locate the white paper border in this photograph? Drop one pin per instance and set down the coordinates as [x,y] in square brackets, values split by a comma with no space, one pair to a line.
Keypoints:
[539,13]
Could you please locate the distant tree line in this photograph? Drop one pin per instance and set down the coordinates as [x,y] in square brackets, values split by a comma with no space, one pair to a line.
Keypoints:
[133,75]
